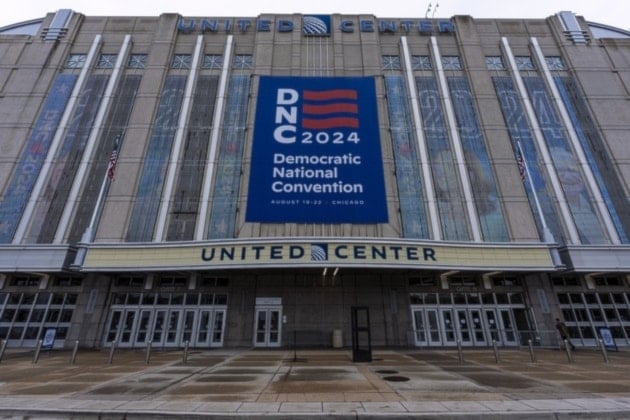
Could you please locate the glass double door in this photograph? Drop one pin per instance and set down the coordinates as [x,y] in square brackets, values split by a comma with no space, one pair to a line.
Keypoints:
[446,326]
[268,326]
[167,327]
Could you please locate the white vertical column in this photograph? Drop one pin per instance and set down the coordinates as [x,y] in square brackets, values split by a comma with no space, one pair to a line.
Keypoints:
[178,144]
[457,144]
[56,142]
[202,217]
[91,142]
[434,222]
[577,147]
[569,223]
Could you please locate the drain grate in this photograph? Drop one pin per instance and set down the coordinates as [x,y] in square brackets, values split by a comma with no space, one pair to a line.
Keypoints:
[396,378]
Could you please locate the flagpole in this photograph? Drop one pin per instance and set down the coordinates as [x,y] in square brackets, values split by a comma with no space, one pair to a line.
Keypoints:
[88,234]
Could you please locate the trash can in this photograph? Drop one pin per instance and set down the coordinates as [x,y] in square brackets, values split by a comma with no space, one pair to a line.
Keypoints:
[337,339]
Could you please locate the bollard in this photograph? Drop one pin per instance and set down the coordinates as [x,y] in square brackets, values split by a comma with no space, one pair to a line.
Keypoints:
[496,351]
[532,355]
[185,357]
[460,353]
[568,350]
[147,358]
[73,358]
[3,347]
[111,352]
[37,350]
[604,352]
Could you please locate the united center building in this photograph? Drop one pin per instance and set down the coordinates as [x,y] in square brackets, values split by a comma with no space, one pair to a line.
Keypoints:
[256,181]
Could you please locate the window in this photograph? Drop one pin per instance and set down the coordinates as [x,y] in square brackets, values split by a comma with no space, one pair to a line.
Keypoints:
[421,62]
[213,282]
[181,61]
[129,281]
[76,61]
[391,62]
[24,281]
[555,63]
[173,281]
[106,61]
[451,62]
[212,61]
[66,281]
[242,61]
[524,62]
[495,62]
[137,61]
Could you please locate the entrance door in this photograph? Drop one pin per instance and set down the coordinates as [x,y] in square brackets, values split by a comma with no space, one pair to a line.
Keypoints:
[507,327]
[267,326]
[210,329]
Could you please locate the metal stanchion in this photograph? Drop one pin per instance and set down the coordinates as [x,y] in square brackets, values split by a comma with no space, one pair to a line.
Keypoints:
[604,351]
[496,351]
[532,355]
[37,350]
[73,358]
[460,353]
[568,350]
[3,347]
[185,357]
[147,358]
[111,351]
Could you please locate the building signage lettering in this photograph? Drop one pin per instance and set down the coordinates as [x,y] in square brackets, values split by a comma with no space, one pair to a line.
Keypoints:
[316,155]
[312,25]
[318,252]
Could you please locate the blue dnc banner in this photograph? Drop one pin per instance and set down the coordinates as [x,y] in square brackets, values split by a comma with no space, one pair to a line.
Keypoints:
[316,155]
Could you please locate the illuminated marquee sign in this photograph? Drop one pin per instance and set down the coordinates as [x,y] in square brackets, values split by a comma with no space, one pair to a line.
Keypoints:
[317,25]
[316,155]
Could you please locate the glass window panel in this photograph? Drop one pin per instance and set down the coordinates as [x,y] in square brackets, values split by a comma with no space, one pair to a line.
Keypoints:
[555,63]
[473,299]
[450,200]
[410,191]
[605,299]
[391,62]
[212,61]
[524,62]
[495,63]
[148,299]
[206,299]
[163,298]
[563,299]
[155,162]
[66,315]
[487,298]
[451,62]
[76,61]
[480,172]
[430,299]
[181,61]
[220,299]
[227,182]
[106,61]
[445,298]
[133,299]
[587,332]
[242,61]
[590,298]
[502,298]
[192,298]
[421,62]
[137,61]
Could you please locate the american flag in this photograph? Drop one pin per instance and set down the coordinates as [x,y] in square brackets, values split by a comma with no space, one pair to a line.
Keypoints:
[111,166]
[521,166]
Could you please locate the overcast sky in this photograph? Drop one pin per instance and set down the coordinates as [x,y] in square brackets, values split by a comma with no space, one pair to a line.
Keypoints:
[610,12]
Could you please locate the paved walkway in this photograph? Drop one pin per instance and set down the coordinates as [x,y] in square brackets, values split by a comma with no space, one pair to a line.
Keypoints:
[410,383]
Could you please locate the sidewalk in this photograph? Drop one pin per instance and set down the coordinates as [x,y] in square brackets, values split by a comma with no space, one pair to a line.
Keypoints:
[410,383]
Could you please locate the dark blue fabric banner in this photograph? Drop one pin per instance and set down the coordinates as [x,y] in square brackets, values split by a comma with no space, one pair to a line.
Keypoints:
[316,155]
